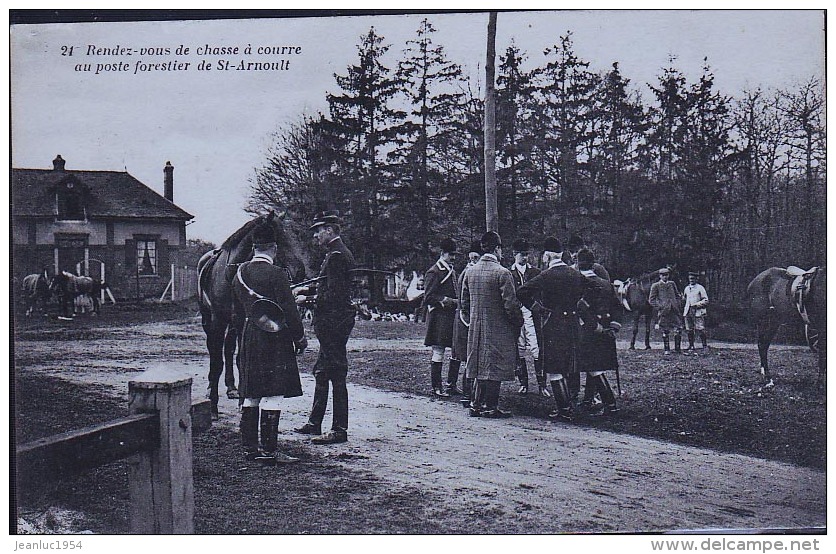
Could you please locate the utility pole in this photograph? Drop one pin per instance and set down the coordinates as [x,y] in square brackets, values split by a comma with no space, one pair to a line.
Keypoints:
[491,209]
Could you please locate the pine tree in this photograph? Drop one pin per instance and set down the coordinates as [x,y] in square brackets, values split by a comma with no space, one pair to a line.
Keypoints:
[431,85]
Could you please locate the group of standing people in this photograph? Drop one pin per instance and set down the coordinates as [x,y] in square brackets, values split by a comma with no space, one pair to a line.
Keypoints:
[489,316]
[667,301]
[272,335]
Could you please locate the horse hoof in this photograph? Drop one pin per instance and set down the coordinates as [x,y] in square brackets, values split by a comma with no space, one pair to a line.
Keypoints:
[769,385]
[647,347]
[632,347]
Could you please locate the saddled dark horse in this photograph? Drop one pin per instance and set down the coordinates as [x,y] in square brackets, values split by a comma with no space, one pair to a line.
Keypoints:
[780,296]
[216,269]
[634,294]
[36,292]
[69,287]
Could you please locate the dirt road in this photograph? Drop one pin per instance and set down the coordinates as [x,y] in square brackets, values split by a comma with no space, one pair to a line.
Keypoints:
[551,477]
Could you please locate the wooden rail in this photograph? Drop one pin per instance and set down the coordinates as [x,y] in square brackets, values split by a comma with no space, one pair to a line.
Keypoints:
[157,441]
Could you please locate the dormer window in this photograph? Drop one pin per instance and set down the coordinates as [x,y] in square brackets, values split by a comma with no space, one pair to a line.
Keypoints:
[69,203]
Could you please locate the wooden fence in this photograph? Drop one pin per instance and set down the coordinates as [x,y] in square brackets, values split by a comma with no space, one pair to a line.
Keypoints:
[156,438]
[182,285]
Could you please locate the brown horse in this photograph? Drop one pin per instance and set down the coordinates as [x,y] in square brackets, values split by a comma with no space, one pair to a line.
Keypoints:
[216,269]
[779,296]
[36,292]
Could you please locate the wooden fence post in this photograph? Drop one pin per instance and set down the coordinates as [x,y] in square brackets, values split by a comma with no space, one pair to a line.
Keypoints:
[160,481]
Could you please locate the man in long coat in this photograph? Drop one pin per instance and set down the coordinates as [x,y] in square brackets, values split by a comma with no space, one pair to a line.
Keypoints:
[554,295]
[600,313]
[441,294]
[491,306]
[271,336]
[461,326]
[666,300]
[333,322]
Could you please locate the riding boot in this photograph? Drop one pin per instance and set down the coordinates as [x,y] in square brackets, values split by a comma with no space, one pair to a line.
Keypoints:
[589,390]
[522,375]
[704,339]
[666,341]
[435,379]
[492,401]
[453,377]
[690,340]
[574,383]
[607,394]
[541,378]
[249,432]
[562,401]
[268,453]
[677,343]
[468,391]
[478,393]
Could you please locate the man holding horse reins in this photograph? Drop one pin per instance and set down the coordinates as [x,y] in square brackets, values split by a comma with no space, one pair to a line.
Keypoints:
[333,322]
[665,298]
[271,336]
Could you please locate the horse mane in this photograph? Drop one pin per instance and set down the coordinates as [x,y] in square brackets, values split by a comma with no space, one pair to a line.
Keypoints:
[238,236]
[646,277]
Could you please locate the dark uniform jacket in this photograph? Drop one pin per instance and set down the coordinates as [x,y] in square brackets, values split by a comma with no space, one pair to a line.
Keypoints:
[554,295]
[665,299]
[440,300]
[334,313]
[266,361]
[598,309]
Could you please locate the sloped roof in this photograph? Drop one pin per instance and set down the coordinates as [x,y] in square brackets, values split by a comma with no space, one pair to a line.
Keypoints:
[108,194]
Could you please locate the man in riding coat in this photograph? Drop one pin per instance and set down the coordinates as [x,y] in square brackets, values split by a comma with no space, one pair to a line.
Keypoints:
[271,337]
[665,299]
[461,326]
[529,334]
[333,322]
[441,294]
[600,312]
[696,301]
[554,296]
[492,308]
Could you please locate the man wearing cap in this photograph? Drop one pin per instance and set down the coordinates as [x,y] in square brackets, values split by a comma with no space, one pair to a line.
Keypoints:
[696,301]
[600,312]
[461,326]
[665,299]
[491,307]
[529,339]
[554,295]
[332,322]
[271,336]
[440,301]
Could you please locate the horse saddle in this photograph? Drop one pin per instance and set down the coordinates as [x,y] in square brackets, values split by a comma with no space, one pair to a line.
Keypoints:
[621,292]
[800,287]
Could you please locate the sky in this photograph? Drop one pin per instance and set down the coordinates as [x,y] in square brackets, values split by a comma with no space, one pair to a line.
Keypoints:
[215,126]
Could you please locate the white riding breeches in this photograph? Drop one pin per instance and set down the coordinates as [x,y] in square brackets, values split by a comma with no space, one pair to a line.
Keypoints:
[528,336]
[265,403]
[438,354]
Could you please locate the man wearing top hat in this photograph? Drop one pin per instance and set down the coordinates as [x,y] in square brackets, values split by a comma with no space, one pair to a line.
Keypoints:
[665,299]
[696,301]
[529,339]
[441,293]
[271,337]
[491,307]
[332,322]
[554,296]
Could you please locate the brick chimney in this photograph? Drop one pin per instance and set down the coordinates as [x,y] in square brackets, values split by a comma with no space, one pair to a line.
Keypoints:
[168,181]
[58,163]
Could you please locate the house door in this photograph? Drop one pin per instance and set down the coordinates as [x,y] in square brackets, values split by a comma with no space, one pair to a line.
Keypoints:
[68,251]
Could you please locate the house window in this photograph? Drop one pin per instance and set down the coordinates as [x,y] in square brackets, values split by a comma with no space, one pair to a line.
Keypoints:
[146,257]
[69,204]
